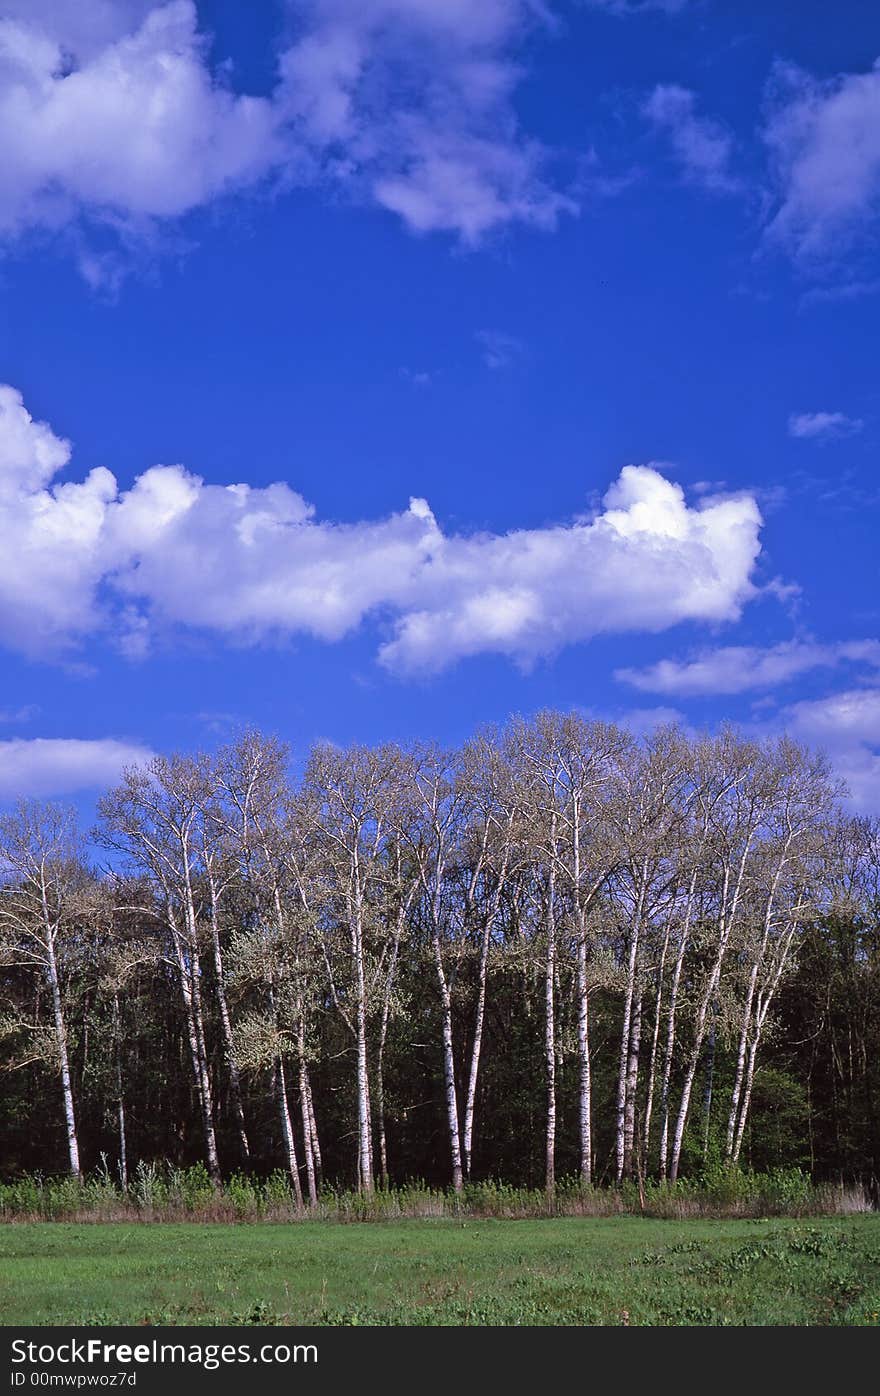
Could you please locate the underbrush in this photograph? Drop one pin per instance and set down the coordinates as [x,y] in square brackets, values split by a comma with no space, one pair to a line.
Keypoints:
[167,1193]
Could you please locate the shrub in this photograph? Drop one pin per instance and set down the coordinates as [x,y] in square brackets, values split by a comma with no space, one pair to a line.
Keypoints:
[158,1192]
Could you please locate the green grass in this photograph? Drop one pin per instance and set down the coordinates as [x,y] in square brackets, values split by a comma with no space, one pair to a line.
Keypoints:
[573,1270]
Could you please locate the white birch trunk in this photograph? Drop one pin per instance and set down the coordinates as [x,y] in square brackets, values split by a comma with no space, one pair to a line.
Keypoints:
[632,1081]
[625,1030]
[585,1085]
[727,917]
[448,1067]
[226,1032]
[287,1139]
[669,1050]
[550,1024]
[308,1147]
[63,1059]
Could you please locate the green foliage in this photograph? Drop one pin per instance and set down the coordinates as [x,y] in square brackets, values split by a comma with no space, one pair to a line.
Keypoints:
[169,1193]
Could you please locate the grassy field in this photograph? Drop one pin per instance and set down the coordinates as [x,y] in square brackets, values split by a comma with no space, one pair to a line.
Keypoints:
[618,1270]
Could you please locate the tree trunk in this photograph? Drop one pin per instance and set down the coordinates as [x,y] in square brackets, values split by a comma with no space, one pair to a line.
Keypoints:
[739,1075]
[485,944]
[204,1074]
[632,1081]
[746,1099]
[365,1126]
[120,1100]
[669,1050]
[550,1034]
[707,1087]
[471,1097]
[313,1125]
[308,1147]
[626,1026]
[655,1043]
[726,920]
[287,1139]
[226,1030]
[449,1068]
[585,1086]
[383,1038]
[199,1074]
[63,1059]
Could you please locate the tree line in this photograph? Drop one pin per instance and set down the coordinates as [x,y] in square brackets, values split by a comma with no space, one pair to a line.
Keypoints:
[557,949]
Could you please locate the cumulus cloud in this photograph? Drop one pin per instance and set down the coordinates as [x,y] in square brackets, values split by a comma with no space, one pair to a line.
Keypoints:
[824,143]
[138,129]
[702,147]
[823,426]
[47,767]
[50,563]
[741,668]
[253,563]
[645,562]
[111,112]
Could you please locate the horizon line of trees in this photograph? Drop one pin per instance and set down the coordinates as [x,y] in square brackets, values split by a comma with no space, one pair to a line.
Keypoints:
[555,949]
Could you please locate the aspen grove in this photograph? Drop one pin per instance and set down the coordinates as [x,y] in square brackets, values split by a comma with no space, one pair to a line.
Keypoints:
[558,951]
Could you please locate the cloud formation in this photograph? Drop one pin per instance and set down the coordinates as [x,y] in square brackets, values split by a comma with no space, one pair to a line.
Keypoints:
[741,668]
[412,99]
[822,426]
[86,556]
[499,350]
[137,129]
[824,143]
[110,112]
[48,767]
[702,147]
[847,726]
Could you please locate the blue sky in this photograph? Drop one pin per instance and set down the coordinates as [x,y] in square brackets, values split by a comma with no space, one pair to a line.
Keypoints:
[594,284]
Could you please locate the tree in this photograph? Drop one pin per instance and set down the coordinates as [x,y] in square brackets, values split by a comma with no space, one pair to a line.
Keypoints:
[44,894]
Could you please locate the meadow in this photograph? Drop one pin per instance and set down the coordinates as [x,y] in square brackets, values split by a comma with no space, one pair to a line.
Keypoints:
[619,1270]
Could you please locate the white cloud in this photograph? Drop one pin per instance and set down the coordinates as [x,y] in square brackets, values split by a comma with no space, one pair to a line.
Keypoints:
[81,27]
[847,726]
[412,99]
[702,146]
[499,350]
[823,425]
[824,143]
[740,668]
[252,563]
[137,130]
[645,562]
[642,721]
[111,113]
[53,766]
[50,561]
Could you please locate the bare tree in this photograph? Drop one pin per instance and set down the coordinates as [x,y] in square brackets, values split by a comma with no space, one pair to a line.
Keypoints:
[352,806]
[571,761]
[433,828]
[154,818]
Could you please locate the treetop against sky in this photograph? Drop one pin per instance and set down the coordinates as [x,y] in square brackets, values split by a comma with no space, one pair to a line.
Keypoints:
[373,368]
